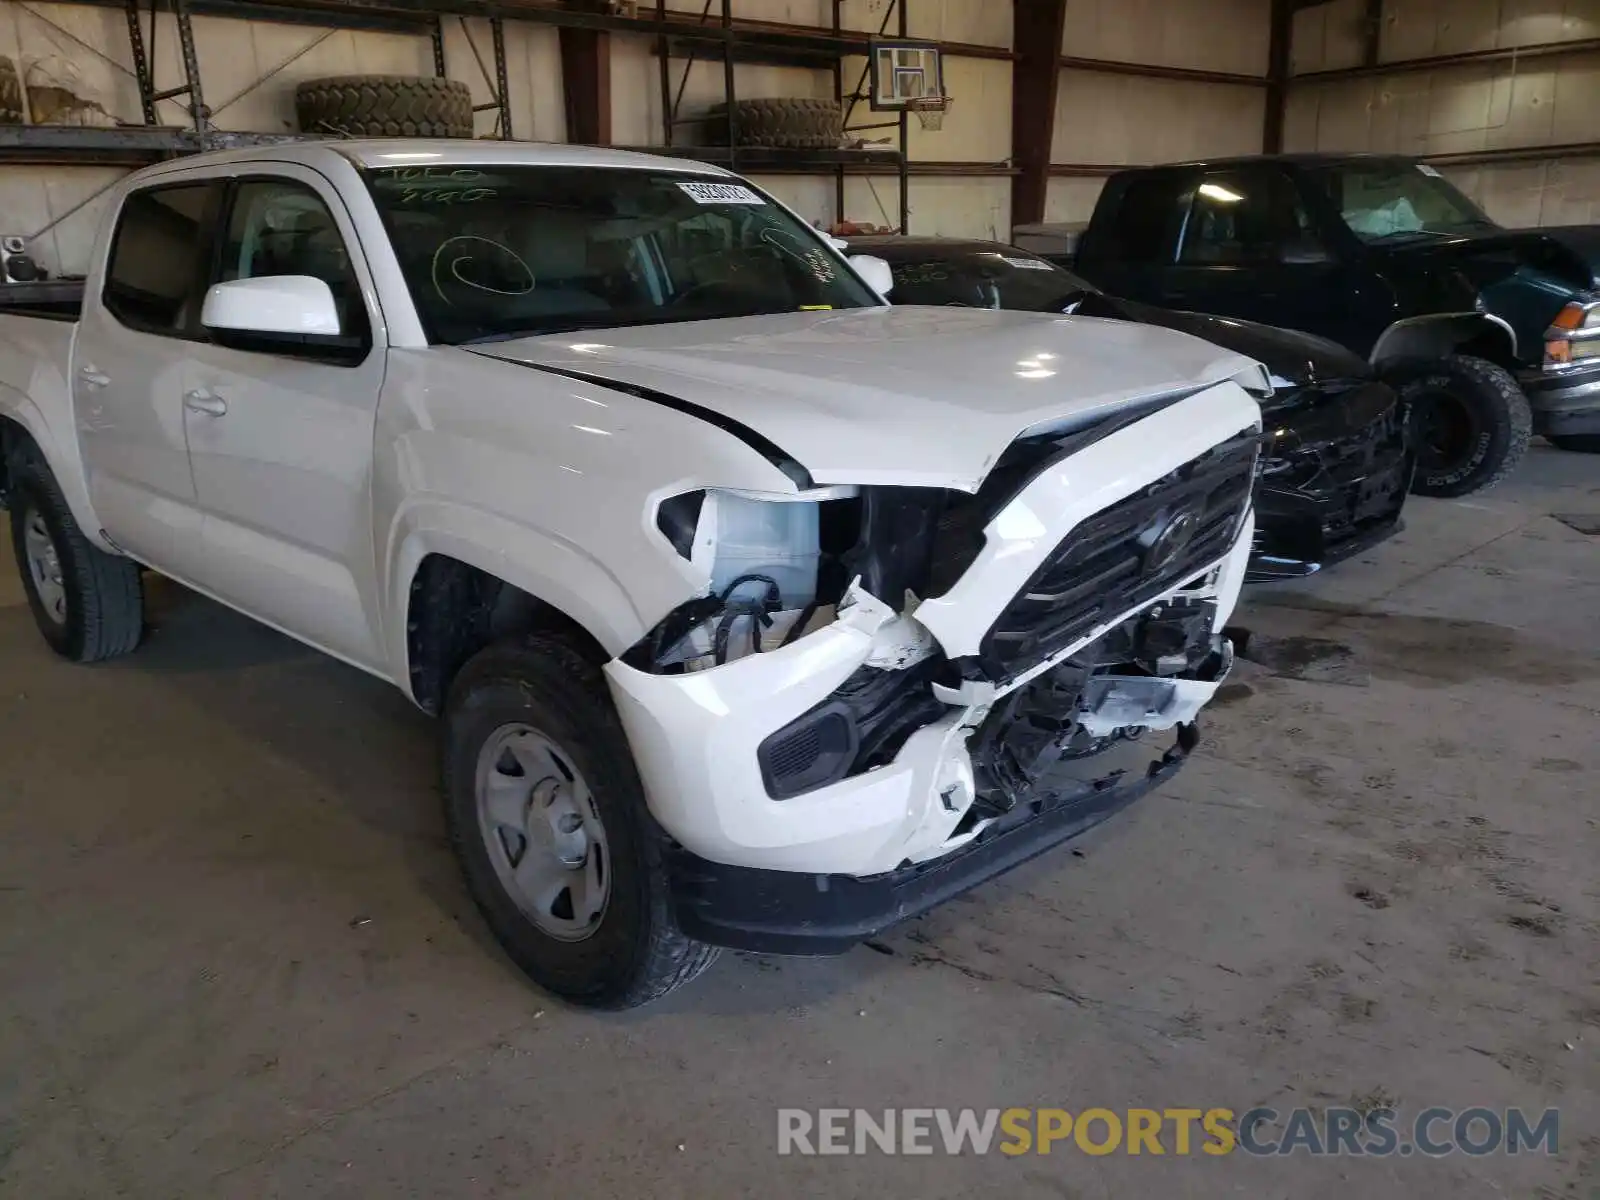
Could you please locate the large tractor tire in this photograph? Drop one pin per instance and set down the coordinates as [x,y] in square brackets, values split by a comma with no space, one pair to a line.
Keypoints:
[10,93]
[384,106]
[780,124]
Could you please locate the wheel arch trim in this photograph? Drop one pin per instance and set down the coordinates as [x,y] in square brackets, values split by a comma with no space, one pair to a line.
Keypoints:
[567,579]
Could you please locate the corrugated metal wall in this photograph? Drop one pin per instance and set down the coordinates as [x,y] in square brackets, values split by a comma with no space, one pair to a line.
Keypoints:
[1106,118]
[1512,103]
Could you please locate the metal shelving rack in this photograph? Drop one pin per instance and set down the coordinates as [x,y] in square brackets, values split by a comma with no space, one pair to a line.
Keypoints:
[823,50]
[678,36]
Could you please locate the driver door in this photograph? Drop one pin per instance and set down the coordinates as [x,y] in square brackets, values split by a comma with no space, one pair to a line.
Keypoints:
[280,435]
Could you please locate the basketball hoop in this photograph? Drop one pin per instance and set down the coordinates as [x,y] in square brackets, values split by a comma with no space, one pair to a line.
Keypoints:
[930,110]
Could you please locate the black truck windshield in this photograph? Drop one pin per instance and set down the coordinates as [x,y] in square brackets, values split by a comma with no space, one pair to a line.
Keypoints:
[1394,201]
[492,252]
[981,278]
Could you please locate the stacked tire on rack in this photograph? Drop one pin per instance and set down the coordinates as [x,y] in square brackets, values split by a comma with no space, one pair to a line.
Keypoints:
[384,106]
[10,93]
[779,124]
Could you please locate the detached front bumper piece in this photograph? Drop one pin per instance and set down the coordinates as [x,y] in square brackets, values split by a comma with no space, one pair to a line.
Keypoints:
[1339,489]
[789,912]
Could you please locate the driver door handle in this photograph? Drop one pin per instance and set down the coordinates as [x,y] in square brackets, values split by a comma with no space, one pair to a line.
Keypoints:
[93,376]
[200,400]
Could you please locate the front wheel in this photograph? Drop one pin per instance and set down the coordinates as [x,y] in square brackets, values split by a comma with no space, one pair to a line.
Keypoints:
[1471,422]
[548,820]
[1578,443]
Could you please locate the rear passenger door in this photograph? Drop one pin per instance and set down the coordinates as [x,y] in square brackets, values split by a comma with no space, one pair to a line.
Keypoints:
[280,433]
[133,347]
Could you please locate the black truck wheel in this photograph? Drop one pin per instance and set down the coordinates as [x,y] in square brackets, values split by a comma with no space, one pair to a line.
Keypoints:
[10,93]
[548,820]
[88,605]
[384,106]
[782,124]
[1471,423]
[1578,443]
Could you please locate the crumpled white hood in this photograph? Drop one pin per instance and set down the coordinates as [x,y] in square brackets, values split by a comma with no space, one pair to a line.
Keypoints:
[896,395]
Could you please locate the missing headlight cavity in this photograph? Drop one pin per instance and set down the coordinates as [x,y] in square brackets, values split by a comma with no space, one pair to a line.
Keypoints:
[778,567]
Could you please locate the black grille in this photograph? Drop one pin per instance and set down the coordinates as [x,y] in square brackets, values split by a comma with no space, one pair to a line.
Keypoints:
[1113,561]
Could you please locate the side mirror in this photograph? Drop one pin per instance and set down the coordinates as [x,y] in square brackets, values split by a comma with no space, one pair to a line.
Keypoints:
[875,272]
[293,306]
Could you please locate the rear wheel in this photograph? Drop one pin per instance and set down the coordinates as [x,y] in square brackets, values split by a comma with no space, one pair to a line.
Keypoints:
[1579,443]
[548,820]
[1471,422]
[88,605]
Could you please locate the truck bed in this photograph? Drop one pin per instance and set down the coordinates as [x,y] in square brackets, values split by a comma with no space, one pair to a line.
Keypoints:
[50,300]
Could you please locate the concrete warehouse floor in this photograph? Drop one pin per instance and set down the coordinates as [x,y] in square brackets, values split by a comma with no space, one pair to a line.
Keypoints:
[235,960]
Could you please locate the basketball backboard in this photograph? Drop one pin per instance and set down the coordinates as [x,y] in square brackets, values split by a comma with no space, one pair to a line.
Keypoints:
[904,72]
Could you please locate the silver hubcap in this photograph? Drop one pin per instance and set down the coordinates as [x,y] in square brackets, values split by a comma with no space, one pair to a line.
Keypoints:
[44,565]
[543,832]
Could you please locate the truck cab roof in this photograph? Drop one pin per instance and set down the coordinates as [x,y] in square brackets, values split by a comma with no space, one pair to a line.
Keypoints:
[435,152]
[1309,159]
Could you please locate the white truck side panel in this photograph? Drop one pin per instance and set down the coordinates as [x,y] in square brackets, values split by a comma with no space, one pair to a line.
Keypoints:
[36,392]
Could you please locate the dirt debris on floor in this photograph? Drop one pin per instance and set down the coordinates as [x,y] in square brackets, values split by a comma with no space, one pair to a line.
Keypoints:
[237,961]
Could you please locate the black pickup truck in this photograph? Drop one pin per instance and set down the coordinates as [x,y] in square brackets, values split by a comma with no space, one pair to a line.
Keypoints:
[1489,334]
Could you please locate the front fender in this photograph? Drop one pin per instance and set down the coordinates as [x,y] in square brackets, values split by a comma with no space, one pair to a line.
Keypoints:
[541,564]
[1438,335]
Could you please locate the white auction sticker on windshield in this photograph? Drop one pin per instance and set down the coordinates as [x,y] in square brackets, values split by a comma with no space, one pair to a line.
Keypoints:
[1027,264]
[720,193]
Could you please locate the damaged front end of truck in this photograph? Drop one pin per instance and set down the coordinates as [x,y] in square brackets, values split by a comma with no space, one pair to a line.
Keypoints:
[885,695]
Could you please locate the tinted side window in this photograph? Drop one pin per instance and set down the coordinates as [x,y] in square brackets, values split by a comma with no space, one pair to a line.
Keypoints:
[281,227]
[1247,219]
[1143,226]
[156,266]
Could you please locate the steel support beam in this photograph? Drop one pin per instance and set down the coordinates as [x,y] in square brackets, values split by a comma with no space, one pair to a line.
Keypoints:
[586,82]
[1035,80]
[1372,33]
[1280,39]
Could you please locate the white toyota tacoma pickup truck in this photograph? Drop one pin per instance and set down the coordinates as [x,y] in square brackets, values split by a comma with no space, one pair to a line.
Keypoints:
[757,612]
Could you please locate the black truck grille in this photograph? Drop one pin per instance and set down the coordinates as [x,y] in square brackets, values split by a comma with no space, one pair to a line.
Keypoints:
[1127,554]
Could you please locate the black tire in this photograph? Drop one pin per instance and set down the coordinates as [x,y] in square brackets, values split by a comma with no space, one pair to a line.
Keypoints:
[1578,443]
[104,593]
[636,953]
[10,93]
[1471,421]
[384,106]
[780,124]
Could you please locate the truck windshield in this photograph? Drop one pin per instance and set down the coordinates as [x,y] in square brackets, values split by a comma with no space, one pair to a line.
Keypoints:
[497,252]
[1394,201]
[998,278]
